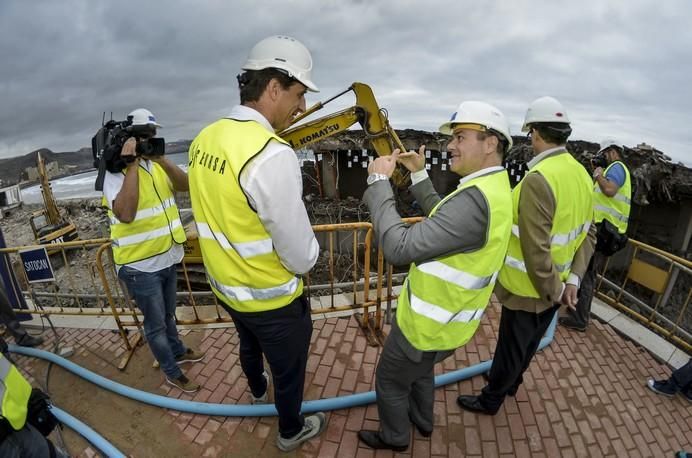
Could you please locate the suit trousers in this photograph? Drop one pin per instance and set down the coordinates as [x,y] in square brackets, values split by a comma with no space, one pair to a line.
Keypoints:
[520,334]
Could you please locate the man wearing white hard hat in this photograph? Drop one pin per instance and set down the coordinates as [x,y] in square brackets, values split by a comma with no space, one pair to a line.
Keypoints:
[548,252]
[254,231]
[455,255]
[147,239]
[612,193]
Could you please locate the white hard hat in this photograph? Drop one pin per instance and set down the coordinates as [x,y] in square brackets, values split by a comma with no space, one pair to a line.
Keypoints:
[544,109]
[608,142]
[285,53]
[143,117]
[479,113]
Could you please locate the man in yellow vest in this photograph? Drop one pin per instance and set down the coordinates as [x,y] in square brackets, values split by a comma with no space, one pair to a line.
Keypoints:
[254,232]
[548,252]
[454,255]
[147,237]
[19,438]
[612,194]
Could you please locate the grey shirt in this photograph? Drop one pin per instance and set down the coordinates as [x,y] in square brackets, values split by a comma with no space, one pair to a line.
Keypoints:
[460,225]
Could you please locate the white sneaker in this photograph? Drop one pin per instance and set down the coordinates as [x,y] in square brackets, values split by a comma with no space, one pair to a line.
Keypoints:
[314,424]
[265,397]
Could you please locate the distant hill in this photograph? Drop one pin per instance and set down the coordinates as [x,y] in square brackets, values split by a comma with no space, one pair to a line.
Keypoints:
[12,169]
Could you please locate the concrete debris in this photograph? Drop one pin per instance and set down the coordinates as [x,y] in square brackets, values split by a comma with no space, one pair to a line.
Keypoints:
[656,178]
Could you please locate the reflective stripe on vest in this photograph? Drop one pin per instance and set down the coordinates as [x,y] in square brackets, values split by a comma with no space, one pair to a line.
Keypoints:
[443,300]
[156,225]
[243,268]
[615,209]
[245,293]
[571,222]
[443,316]
[244,249]
[14,394]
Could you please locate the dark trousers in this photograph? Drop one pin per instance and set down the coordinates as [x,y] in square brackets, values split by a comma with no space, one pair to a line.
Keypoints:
[9,318]
[520,334]
[28,442]
[682,377]
[283,337]
[405,387]
[580,316]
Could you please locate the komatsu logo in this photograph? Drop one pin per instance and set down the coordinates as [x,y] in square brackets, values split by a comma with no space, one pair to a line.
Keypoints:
[331,129]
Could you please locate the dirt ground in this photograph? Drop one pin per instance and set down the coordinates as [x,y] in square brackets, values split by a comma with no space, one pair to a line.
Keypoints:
[135,428]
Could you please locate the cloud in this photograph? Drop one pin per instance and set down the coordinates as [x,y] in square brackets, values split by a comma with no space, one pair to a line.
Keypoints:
[620,68]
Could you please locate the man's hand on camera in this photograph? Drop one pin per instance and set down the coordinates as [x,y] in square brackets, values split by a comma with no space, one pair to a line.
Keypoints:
[129,151]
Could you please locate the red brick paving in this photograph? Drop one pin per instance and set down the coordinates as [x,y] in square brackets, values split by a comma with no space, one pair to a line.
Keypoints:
[582,396]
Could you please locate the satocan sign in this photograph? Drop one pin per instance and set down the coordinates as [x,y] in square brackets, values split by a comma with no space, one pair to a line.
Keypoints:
[37,265]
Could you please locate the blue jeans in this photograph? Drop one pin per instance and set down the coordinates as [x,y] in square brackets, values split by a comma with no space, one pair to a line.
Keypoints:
[154,294]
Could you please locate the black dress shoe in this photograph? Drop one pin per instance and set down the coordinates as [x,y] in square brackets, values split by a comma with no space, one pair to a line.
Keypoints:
[473,404]
[423,432]
[570,324]
[28,340]
[372,439]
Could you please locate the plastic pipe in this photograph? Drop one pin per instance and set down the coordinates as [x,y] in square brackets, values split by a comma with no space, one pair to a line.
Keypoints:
[247,410]
[89,434]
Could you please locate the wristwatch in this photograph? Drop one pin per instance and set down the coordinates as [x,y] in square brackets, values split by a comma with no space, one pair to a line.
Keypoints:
[373,177]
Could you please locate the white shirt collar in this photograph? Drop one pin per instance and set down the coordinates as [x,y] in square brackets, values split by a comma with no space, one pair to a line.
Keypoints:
[532,163]
[481,172]
[243,113]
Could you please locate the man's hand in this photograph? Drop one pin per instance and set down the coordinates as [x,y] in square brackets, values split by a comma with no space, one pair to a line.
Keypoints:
[598,172]
[569,296]
[384,164]
[413,161]
[129,151]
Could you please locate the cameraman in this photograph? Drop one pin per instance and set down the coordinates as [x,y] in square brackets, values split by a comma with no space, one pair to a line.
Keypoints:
[147,237]
[612,194]
[19,437]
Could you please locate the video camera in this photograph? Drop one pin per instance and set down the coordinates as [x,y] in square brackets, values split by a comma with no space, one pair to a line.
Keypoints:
[108,142]
[599,160]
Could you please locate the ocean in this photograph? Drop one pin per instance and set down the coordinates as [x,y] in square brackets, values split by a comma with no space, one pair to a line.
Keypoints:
[81,185]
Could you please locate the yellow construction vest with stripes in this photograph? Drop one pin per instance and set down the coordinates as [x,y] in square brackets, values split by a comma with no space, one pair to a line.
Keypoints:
[243,269]
[615,209]
[156,225]
[442,301]
[14,392]
[571,188]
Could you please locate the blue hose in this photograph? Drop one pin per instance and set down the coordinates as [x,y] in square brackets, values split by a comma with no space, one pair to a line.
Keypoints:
[227,410]
[246,410]
[89,434]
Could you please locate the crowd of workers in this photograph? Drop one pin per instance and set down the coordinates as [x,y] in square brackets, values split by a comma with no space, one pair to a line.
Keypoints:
[531,246]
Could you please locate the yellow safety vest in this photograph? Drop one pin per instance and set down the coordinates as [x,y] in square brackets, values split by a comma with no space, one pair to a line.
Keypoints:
[14,392]
[442,301]
[571,187]
[243,268]
[615,209]
[156,225]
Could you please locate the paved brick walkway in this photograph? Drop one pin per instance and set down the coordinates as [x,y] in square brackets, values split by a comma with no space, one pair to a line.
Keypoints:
[584,395]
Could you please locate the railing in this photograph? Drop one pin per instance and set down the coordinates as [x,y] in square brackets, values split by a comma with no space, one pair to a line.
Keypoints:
[664,277]
[354,277]
[358,288]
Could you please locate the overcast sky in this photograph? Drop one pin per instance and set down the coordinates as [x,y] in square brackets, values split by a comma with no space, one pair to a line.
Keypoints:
[620,68]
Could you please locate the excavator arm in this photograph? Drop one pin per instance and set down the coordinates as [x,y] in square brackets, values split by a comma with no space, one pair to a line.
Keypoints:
[366,112]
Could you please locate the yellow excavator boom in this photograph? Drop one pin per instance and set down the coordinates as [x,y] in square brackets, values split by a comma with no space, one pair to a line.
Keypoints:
[372,119]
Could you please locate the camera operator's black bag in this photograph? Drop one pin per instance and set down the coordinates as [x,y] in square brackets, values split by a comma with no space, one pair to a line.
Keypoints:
[608,240]
[39,414]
